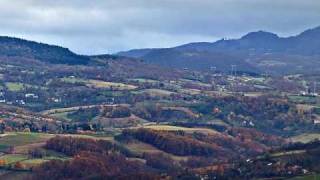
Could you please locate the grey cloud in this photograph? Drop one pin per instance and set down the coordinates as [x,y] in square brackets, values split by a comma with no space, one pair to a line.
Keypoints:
[98,26]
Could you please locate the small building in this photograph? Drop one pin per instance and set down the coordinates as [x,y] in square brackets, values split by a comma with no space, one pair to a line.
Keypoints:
[317,121]
[31,95]
[56,100]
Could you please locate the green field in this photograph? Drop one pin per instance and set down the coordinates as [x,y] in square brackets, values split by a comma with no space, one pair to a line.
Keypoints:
[38,161]
[22,143]
[34,161]
[303,99]
[73,80]
[13,158]
[21,138]
[99,84]
[15,86]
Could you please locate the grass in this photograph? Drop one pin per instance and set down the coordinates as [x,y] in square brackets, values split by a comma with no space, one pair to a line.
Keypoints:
[22,143]
[190,91]
[34,161]
[104,84]
[182,109]
[37,161]
[157,92]
[14,86]
[57,155]
[253,94]
[21,138]
[99,84]
[67,110]
[73,80]
[305,138]
[62,115]
[107,138]
[141,148]
[13,158]
[24,149]
[25,159]
[195,82]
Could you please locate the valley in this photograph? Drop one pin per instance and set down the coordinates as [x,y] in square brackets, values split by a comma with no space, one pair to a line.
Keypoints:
[109,114]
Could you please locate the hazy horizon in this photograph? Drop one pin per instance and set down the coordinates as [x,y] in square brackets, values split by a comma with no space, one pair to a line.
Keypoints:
[98,27]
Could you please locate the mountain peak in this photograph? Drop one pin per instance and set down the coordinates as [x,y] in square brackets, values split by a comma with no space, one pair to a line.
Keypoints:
[260,35]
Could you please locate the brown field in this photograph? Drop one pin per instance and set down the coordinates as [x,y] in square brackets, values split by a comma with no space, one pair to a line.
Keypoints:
[75,108]
[178,128]
[140,148]
[190,91]
[183,109]
[157,92]
[24,149]
[304,107]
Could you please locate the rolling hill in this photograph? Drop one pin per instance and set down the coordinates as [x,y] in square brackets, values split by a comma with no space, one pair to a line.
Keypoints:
[19,48]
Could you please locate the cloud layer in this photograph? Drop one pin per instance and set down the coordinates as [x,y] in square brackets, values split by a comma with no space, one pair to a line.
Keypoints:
[95,26]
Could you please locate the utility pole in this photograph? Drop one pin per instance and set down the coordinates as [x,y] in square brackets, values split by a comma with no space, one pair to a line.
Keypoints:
[233,70]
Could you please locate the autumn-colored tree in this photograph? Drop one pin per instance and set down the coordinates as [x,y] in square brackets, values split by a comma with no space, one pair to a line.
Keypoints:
[3,162]
[174,143]
[19,165]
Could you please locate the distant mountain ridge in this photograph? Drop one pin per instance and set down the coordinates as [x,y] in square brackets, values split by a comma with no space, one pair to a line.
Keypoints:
[15,47]
[256,51]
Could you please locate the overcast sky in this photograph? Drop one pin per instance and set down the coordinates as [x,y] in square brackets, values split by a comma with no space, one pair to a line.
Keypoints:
[107,26]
